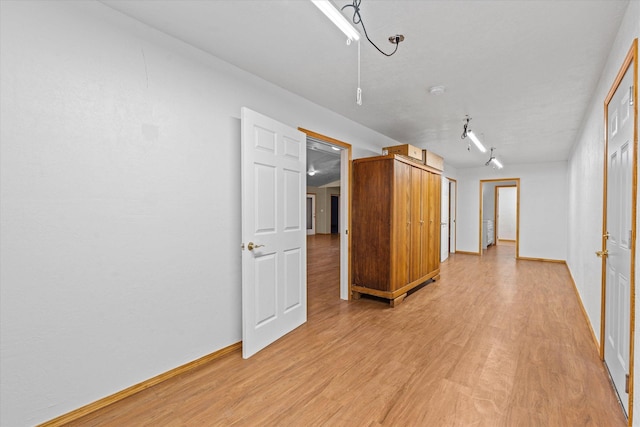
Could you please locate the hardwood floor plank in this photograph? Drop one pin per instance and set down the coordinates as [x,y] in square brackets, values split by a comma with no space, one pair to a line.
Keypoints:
[494,342]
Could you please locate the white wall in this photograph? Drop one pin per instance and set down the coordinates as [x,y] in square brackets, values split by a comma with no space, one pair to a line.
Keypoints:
[120,250]
[585,191]
[323,207]
[543,207]
[488,200]
[449,171]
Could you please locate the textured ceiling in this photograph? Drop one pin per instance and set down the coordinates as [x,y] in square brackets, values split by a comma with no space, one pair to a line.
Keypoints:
[523,70]
[324,161]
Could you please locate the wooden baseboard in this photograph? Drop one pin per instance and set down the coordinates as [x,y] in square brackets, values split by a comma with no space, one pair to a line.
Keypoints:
[524,258]
[584,311]
[467,253]
[116,397]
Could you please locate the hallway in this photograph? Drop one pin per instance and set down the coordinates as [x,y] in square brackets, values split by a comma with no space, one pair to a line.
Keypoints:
[495,342]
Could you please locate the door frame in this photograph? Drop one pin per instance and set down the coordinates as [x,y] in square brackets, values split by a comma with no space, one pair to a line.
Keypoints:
[505,180]
[630,60]
[445,188]
[345,209]
[453,215]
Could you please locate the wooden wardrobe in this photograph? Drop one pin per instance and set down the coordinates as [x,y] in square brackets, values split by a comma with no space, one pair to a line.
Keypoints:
[395,240]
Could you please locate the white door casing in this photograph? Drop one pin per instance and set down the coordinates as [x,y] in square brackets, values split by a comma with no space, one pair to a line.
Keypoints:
[345,287]
[452,215]
[617,261]
[444,220]
[274,271]
[344,222]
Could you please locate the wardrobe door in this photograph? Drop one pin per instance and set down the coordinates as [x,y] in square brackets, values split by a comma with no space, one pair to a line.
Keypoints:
[433,256]
[372,191]
[424,236]
[400,226]
[417,229]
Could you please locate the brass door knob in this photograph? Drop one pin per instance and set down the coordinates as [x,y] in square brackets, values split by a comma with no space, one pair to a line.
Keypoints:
[251,246]
[602,253]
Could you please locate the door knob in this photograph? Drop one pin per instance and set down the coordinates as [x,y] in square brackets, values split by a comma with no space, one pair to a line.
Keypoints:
[251,246]
[602,253]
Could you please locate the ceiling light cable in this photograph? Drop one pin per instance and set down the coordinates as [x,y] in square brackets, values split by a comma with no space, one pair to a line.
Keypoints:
[357,19]
[359,90]
[464,128]
[492,160]
[466,132]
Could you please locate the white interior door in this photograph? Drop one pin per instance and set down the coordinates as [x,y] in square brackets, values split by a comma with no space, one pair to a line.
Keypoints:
[444,220]
[311,214]
[506,222]
[617,262]
[274,256]
[452,216]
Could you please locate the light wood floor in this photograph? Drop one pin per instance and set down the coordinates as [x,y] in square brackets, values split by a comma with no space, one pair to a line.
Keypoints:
[496,342]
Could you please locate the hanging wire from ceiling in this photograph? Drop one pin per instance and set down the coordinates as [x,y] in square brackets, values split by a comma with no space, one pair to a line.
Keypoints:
[493,161]
[464,132]
[491,157]
[464,127]
[357,19]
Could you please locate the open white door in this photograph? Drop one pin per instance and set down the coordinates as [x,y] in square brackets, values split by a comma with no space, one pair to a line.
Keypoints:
[274,256]
[444,220]
[618,235]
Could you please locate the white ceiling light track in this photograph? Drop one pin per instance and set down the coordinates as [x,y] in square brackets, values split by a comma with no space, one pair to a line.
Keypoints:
[335,15]
[472,136]
[493,161]
[467,132]
[352,34]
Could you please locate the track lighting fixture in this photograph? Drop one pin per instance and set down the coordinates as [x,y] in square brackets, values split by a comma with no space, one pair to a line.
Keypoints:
[336,17]
[493,161]
[467,132]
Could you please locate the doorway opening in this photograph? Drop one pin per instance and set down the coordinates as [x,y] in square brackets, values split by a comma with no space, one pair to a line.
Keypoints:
[328,172]
[499,207]
[335,214]
[505,214]
[448,218]
[311,214]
